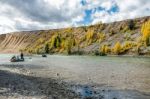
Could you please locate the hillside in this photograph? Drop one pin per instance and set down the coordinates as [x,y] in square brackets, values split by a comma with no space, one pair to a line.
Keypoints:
[128,37]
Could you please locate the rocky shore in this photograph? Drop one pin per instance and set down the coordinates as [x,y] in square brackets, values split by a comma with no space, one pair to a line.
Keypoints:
[19,83]
[16,82]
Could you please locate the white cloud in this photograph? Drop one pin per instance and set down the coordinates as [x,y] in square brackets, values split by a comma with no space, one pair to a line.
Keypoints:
[20,15]
[39,14]
[107,5]
[127,9]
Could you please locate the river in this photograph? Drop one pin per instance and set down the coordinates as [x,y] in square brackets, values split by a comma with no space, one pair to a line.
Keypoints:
[120,74]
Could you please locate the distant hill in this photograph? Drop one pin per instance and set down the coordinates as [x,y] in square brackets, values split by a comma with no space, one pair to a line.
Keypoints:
[128,37]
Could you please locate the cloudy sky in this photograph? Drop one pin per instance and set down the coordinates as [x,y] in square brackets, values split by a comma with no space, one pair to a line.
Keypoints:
[21,15]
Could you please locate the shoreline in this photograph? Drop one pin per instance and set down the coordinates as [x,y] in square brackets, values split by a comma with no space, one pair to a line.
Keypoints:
[140,56]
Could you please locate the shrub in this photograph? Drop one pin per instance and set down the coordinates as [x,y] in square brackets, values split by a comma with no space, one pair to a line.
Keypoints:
[91,36]
[78,41]
[104,49]
[53,42]
[147,41]
[138,49]
[41,40]
[58,41]
[145,30]
[128,45]
[36,50]
[69,43]
[62,44]
[111,32]
[68,30]
[125,29]
[117,48]
[127,36]
[100,37]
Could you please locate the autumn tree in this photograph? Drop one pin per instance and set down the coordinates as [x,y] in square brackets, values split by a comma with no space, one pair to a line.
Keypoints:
[131,25]
[89,36]
[104,49]
[117,48]
[47,48]
[145,30]
[55,41]
[68,45]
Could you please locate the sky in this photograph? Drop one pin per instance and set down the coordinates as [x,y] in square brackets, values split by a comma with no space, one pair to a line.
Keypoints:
[26,15]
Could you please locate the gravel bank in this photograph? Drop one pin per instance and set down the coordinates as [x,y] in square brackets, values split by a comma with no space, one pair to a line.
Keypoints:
[16,82]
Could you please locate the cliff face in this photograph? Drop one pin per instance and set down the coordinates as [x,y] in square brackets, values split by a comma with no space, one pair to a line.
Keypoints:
[86,39]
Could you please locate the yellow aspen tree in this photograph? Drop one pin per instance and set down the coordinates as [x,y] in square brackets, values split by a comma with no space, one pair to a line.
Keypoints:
[117,48]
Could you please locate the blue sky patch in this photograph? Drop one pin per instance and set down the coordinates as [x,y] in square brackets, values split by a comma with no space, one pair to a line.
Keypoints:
[87,17]
[113,9]
[88,13]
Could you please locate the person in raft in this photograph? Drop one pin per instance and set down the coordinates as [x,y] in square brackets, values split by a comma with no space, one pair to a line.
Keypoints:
[22,56]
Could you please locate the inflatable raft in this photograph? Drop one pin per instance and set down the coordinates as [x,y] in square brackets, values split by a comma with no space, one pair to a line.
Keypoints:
[16,60]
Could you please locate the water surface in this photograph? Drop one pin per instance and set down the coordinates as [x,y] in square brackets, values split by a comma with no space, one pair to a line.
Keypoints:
[120,74]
